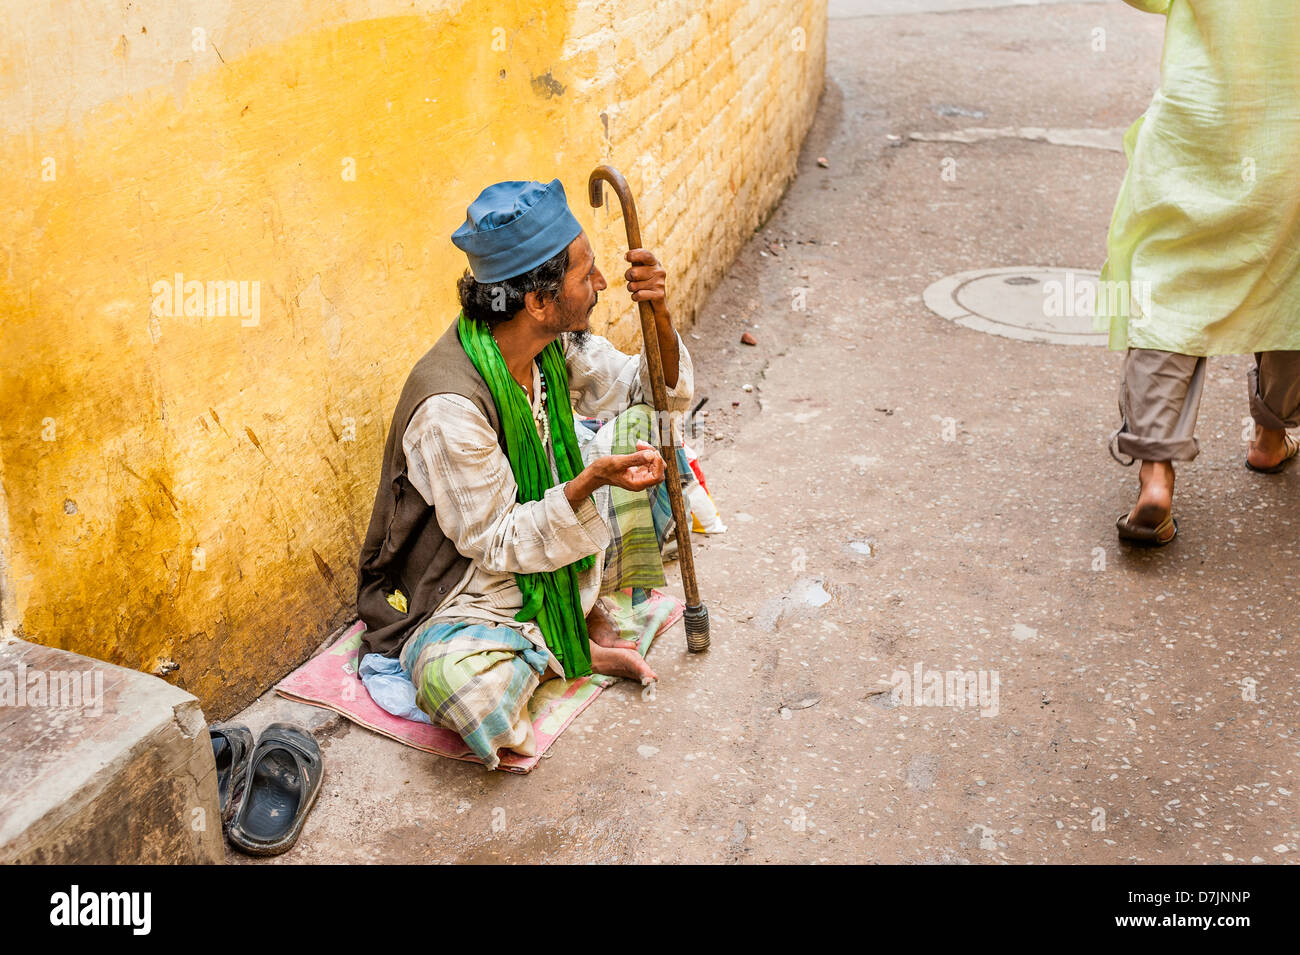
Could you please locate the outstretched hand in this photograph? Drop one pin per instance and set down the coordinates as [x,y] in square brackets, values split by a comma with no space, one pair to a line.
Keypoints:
[637,471]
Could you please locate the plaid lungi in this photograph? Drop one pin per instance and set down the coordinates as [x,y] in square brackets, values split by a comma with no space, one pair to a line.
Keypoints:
[633,558]
[476,678]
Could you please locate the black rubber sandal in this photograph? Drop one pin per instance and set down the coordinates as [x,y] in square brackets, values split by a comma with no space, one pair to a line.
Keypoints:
[284,779]
[231,746]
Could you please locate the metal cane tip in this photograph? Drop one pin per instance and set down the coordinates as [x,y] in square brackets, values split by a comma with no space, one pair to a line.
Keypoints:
[697,628]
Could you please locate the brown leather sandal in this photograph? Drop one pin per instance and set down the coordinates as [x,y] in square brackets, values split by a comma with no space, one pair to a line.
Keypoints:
[1141,535]
[1292,448]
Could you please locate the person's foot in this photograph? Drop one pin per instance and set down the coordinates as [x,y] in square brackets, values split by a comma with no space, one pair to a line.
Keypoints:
[613,661]
[1156,494]
[1268,450]
[603,632]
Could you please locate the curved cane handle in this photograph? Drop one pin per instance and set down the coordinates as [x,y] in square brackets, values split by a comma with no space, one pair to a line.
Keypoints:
[619,185]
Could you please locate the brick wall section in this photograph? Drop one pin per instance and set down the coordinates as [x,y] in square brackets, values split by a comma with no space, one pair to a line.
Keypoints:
[707,107]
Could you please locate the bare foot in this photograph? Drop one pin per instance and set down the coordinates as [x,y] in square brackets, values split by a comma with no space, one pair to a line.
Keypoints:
[1268,449]
[1156,497]
[618,662]
[603,632]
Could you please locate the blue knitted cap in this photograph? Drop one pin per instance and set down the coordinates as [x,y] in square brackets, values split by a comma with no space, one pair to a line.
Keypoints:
[515,226]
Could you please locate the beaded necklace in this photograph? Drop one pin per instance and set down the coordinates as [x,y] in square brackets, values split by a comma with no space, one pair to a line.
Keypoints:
[543,420]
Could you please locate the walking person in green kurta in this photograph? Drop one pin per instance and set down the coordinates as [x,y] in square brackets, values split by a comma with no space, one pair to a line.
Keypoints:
[1206,236]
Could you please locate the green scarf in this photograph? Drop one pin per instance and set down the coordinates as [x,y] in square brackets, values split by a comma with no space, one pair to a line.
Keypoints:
[552,598]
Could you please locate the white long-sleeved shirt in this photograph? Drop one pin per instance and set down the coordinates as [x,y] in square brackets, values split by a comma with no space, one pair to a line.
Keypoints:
[454,461]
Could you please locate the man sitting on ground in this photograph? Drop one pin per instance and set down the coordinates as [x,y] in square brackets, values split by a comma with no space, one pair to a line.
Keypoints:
[494,534]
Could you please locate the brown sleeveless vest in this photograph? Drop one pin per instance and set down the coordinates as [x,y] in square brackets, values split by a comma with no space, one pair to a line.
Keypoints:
[404,547]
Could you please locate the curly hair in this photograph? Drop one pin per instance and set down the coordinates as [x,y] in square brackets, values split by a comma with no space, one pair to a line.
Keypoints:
[498,302]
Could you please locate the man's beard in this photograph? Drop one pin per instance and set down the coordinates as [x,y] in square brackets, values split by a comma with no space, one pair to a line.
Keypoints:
[579,338]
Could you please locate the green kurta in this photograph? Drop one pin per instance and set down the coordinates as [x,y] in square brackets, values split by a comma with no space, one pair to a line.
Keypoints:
[1205,237]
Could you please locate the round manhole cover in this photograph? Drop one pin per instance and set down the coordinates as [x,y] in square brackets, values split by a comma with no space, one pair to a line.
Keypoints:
[1031,303]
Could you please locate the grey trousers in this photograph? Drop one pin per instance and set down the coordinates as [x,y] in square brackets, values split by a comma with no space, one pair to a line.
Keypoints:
[1160,396]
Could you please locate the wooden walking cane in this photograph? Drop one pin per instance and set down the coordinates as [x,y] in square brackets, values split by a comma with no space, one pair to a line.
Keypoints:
[696,615]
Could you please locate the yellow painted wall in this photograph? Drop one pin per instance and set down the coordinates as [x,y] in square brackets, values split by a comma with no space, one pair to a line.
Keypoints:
[193,488]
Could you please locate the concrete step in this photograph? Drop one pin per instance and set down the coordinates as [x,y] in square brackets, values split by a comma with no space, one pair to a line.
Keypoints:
[100,764]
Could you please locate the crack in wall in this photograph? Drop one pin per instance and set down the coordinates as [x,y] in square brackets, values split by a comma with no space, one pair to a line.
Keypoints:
[8,603]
